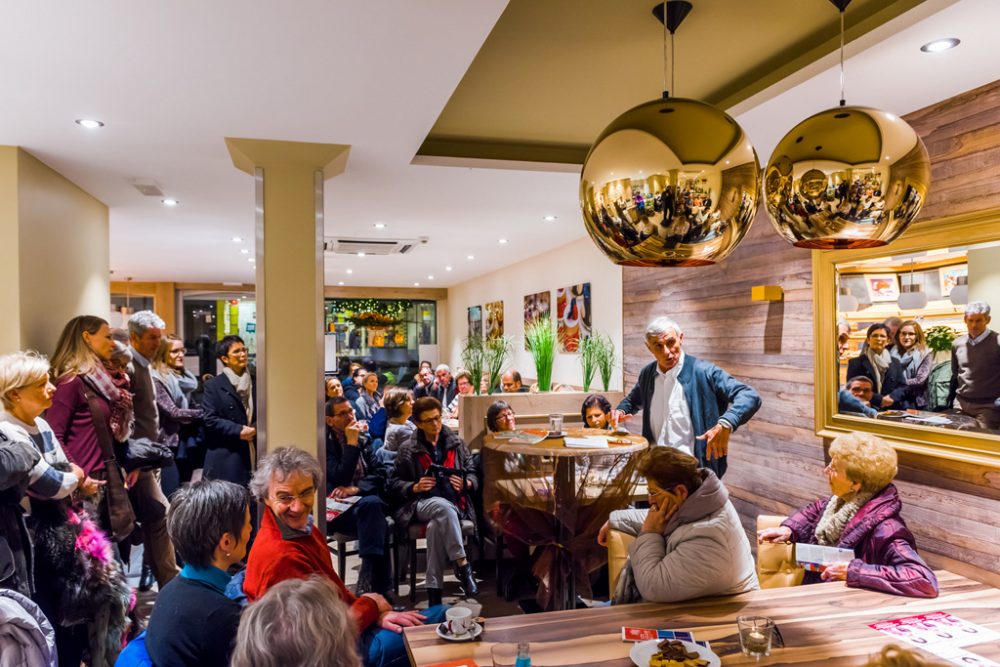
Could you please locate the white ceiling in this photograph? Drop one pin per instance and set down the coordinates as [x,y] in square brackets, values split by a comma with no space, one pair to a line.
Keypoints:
[171,80]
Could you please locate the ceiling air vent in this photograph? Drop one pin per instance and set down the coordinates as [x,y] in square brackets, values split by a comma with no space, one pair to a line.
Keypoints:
[146,186]
[352,246]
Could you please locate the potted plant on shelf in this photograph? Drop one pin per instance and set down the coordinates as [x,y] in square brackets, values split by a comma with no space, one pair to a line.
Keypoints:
[495,353]
[939,340]
[590,351]
[540,337]
[606,360]
[474,359]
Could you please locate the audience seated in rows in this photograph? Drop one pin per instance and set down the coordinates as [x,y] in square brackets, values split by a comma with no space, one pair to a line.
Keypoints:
[596,412]
[443,387]
[510,383]
[398,407]
[289,546]
[463,383]
[300,622]
[440,498]
[369,398]
[690,541]
[500,417]
[863,515]
[193,622]
[334,388]
[352,469]
[352,383]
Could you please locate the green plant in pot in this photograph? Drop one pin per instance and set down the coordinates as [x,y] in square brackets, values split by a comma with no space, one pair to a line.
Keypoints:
[474,359]
[940,338]
[495,353]
[590,351]
[606,358]
[540,337]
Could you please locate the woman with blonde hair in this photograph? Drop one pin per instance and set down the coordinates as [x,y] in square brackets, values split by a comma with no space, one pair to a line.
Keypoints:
[863,515]
[178,420]
[298,622]
[92,403]
[916,359]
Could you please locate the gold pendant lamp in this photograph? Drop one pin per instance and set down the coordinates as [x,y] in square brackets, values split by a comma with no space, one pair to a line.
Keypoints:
[847,177]
[671,182]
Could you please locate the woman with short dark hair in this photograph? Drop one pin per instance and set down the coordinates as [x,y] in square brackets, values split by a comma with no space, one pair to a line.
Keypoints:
[596,412]
[193,622]
[500,417]
[877,364]
[230,415]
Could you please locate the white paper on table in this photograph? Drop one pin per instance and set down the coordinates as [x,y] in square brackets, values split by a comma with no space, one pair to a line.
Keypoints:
[937,631]
[934,419]
[813,556]
[959,656]
[588,442]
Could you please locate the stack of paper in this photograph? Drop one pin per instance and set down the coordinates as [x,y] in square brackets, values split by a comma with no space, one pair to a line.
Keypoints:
[588,442]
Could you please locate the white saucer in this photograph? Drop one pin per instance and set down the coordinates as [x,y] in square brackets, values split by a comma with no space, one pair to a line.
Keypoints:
[468,636]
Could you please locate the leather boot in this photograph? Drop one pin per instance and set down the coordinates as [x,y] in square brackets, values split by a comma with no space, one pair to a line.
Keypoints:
[468,580]
[434,596]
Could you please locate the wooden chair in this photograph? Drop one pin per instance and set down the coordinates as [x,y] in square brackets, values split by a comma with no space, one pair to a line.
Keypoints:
[776,565]
[338,544]
[418,531]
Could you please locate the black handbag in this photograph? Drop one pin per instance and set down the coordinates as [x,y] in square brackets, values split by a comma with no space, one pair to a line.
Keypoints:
[146,454]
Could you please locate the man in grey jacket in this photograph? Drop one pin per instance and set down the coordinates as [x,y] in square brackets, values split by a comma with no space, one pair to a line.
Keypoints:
[690,542]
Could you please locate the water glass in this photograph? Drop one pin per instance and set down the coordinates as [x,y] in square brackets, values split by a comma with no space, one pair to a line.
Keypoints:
[555,423]
[755,635]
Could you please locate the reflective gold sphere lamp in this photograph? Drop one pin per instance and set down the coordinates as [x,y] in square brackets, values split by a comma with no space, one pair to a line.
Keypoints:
[847,177]
[671,182]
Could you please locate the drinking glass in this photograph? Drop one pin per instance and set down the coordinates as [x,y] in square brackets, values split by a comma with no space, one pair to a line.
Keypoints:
[755,635]
[555,423]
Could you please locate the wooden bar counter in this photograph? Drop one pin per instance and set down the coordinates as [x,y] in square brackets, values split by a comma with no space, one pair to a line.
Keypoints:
[822,624]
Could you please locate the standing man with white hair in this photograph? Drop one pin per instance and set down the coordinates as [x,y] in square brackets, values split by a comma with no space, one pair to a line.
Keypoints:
[975,368]
[687,403]
[145,329]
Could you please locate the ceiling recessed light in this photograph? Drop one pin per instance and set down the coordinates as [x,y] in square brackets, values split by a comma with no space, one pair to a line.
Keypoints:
[938,45]
[245,251]
[447,268]
[350,271]
[251,260]
[237,239]
[430,277]
[341,282]
[550,218]
[470,257]
[89,123]
[361,254]
[503,241]
[379,225]
[416,284]
[170,202]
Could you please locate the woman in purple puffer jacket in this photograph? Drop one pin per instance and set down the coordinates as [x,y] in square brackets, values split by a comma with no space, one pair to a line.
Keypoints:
[861,515]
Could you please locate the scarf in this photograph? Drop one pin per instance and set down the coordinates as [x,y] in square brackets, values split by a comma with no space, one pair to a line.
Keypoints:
[113,384]
[880,362]
[911,361]
[178,384]
[242,385]
[836,515]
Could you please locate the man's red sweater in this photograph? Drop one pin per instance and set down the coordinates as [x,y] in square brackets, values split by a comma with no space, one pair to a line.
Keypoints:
[274,559]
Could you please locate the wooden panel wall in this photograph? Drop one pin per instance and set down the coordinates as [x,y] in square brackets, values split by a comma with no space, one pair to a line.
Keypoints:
[776,461]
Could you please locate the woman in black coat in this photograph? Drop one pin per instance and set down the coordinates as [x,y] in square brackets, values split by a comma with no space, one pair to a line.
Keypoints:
[884,370]
[230,415]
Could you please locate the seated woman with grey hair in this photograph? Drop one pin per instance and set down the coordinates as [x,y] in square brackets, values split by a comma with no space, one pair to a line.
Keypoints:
[690,541]
[298,622]
[289,546]
[193,622]
[863,515]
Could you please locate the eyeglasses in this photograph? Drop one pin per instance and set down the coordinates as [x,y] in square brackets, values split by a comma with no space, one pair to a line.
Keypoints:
[343,413]
[239,350]
[286,499]
[428,420]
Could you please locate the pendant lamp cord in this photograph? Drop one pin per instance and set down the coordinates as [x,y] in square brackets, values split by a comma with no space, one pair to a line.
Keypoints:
[666,91]
[843,100]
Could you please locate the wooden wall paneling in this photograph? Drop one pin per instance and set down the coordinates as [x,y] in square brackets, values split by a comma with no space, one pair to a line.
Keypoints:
[776,461]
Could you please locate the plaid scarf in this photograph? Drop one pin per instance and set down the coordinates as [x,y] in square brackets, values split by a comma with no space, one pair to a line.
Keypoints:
[114,386]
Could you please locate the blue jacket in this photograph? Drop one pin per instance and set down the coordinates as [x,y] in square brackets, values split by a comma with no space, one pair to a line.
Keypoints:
[711,394]
[135,654]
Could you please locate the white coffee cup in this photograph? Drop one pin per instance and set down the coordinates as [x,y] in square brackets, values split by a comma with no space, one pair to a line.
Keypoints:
[459,621]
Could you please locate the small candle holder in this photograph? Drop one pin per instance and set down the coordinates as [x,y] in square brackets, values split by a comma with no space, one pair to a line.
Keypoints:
[756,633]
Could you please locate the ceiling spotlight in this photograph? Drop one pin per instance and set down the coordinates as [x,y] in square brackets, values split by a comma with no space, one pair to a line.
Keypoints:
[170,202]
[89,123]
[447,268]
[237,239]
[471,257]
[251,260]
[361,254]
[379,225]
[416,284]
[350,271]
[503,241]
[341,282]
[550,218]
[932,47]
[245,251]
[430,277]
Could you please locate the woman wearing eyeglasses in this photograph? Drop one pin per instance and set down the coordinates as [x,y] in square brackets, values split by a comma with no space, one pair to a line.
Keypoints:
[878,365]
[690,541]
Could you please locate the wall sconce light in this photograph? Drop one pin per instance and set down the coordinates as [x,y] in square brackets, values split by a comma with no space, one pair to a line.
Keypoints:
[767,293]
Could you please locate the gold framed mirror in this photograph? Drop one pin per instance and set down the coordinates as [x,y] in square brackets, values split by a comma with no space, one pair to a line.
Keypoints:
[929,276]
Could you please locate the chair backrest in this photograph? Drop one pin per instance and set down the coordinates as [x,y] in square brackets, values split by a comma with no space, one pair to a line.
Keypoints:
[618,544]
[776,566]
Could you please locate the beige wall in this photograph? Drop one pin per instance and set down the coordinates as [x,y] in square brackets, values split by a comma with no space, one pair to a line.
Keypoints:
[984,277]
[61,262]
[576,262]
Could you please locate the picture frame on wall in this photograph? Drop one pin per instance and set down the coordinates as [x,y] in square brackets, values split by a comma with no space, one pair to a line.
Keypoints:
[475,321]
[882,287]
[573,316]
[537,306]
[494,320]
[949,275]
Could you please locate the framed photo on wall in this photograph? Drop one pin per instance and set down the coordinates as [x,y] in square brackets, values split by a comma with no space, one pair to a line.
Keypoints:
[882,287]
[475,321]
[494,319]
[949,275]
[537,306]
[573,316]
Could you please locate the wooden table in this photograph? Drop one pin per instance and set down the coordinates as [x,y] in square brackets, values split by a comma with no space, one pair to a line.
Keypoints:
[822,624]
[567,492]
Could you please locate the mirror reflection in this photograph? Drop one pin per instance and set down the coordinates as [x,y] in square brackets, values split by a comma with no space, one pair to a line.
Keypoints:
[915,341]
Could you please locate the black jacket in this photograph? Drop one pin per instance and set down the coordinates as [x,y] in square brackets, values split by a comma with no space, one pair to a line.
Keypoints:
[408,470]
[227,457]
[342,461]
[893,384]
[443,394]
